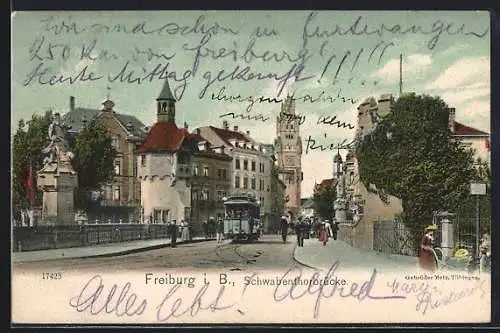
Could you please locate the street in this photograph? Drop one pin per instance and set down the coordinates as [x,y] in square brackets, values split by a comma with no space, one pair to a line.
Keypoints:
[268,253]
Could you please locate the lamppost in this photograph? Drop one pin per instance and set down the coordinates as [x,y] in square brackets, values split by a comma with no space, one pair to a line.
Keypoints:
[477,189]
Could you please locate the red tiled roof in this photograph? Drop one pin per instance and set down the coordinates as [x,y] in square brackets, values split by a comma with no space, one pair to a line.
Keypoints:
[461,129]
[164,136]
[227,135]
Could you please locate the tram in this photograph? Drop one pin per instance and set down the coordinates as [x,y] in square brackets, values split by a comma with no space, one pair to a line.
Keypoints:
[242,217]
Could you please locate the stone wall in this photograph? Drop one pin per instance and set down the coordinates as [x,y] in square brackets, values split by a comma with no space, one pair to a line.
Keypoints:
[346,233]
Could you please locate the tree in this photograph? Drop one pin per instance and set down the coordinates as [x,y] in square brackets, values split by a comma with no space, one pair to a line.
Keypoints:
[323,199]
[93,161]
[28,141]
[411,155]
[93,158]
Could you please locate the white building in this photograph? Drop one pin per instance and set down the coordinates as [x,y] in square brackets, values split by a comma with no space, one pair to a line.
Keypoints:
[470,137]
[252,163]
[164,166]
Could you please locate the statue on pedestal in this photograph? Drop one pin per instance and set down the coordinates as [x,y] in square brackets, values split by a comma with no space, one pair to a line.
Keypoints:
[58,148]
[57,178]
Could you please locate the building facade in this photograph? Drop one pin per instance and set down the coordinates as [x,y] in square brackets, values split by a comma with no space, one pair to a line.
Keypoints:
[251,164]
[288,150]
[120,198]
[472,138]
[210,183]
[165,166]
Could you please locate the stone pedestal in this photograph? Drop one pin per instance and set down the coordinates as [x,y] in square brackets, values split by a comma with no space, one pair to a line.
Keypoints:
[58,185]
[447,242]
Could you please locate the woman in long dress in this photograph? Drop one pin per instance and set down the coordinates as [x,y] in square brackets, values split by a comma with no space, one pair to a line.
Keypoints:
[323,234]
[427,260]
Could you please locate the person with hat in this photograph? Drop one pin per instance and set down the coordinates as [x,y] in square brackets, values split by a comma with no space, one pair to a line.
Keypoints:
[427,259]
[323,233]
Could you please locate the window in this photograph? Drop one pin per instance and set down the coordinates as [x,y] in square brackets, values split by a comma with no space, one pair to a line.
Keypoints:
[116,195]
[237,182]
[205,171]
[143,160]
[237,164]
[224,174]
[245,183]
[219,174]
[253,165]
[245,165]
[254,184]
[220,195]
[195,170]
[114,142]
[261,185]
[204,195]
[261,167]
[117,167]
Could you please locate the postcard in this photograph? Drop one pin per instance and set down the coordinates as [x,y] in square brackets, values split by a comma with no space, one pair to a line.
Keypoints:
[248,167]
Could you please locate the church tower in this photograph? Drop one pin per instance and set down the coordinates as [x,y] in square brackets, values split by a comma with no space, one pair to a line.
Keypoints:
[288,148]
[165,105]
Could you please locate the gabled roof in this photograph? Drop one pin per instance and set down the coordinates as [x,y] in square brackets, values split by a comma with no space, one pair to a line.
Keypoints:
[165,137]
[461,129]
[226,135]
[325,183]
[77,117]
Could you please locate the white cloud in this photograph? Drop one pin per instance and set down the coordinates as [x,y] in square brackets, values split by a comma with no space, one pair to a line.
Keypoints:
[413,65]
[475,114]
[463,72]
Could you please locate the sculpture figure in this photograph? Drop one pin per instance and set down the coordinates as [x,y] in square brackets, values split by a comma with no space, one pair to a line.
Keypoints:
[57,149]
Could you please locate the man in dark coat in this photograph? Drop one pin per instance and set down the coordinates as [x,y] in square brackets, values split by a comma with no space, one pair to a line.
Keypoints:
[284,228]
[300,228]
[173,233]
[335,229]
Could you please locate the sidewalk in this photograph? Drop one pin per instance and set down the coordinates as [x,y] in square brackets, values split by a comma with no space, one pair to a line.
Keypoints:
[315,255]
[103,250]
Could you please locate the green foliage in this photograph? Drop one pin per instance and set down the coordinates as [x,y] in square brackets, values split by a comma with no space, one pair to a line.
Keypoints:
[30,138]
[323,199]
[93,161]
[93,158]
[419,163]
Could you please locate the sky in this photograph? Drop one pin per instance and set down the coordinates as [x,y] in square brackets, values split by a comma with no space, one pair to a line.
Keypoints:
[251,54]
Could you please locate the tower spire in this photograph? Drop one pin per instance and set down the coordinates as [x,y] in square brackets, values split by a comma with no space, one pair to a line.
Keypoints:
[165,104]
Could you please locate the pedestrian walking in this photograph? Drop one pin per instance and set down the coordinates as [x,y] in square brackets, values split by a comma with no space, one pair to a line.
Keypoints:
[173,233]
[427,260]
[300,228]
[220,231]
[335,229]
[328,228]
[205,228]
[323,233]
[284,228]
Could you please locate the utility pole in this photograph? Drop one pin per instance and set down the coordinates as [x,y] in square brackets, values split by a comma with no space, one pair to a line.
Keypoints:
[400,74]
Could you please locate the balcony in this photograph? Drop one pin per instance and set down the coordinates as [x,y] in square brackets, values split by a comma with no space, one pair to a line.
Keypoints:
[118,203]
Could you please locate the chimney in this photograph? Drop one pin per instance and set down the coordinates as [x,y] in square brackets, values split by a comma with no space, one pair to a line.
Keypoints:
[186,126]
[222,149]
[451,119]
[198,131]
[71,103]
[235,128]
[248,133]
[225,125]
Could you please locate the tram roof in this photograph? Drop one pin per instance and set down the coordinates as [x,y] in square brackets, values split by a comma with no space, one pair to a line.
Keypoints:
[238,201]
